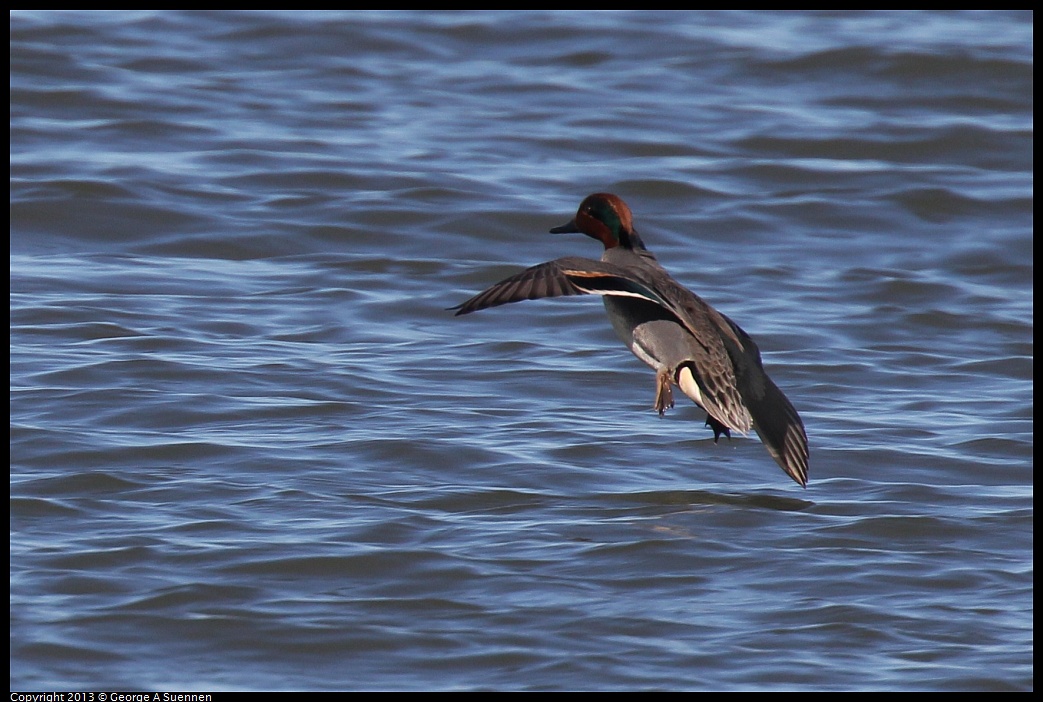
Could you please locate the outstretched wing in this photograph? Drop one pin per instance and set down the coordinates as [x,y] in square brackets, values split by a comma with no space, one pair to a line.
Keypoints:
[558,278]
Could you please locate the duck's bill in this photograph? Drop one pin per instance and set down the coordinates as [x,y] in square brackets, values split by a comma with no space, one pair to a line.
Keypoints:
[569,228]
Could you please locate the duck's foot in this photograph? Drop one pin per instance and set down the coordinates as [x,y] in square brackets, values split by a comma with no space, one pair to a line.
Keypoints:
[718,429]
[664,395]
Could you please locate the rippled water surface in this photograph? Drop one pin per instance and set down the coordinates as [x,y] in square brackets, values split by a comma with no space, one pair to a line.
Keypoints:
[250,448]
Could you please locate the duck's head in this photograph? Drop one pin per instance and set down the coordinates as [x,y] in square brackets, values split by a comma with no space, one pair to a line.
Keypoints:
[605,217]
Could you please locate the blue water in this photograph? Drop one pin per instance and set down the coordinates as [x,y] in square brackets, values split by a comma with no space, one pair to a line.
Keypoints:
[251,449]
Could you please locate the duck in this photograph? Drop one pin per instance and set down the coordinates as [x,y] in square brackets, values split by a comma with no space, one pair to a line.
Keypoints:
[688,343]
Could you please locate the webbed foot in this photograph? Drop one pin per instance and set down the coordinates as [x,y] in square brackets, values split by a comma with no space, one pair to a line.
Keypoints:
[718,429]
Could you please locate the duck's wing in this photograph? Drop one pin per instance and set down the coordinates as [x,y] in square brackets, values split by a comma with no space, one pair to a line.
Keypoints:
[781,430]
[727,377]
[563,276]
[775,419]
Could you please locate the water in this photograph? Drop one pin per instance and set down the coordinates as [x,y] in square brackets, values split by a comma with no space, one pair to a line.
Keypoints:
[250,448]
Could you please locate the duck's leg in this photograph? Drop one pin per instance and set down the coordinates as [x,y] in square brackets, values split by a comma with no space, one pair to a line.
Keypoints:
[664,395]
